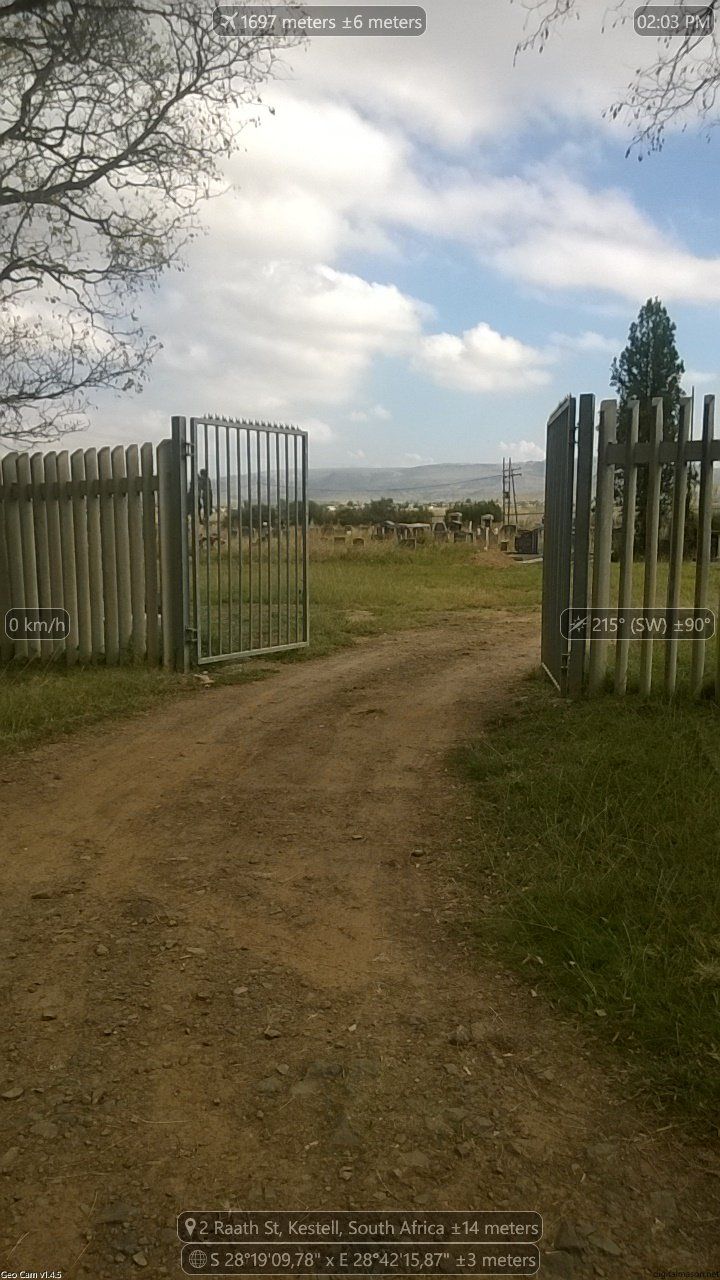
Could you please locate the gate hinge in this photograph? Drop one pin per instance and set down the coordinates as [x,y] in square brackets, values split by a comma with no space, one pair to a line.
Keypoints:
[188,449]
[191,633]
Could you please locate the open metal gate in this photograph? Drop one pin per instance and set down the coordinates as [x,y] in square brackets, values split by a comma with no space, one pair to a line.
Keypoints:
[568,492]
[248,550]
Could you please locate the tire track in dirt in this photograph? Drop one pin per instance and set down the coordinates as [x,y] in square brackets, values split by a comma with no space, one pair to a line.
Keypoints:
[227,980]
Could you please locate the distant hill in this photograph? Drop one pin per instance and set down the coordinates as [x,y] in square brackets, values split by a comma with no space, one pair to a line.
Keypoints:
[437,482]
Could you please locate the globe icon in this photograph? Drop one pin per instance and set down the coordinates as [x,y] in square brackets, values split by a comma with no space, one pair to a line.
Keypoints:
[197,1259]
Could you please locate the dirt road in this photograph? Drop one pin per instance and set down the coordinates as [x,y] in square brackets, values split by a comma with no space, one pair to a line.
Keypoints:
[228,979]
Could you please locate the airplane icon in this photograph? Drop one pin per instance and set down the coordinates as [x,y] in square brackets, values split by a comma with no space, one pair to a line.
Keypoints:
[227,20]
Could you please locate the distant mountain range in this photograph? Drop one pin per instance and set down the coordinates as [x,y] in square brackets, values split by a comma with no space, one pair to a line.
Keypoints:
[438,482]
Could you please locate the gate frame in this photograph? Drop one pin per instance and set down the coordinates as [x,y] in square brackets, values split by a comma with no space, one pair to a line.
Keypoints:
[188,560]
[559,474]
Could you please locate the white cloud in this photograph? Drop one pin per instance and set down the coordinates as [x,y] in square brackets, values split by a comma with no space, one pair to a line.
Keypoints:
[284,338]
[522,451]
[417,459]
[481,360]
[376,411]
[588,341]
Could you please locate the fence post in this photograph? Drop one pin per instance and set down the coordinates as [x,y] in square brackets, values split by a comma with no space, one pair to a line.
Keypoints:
[67,542]
[306,573]
[172,510]
[27,533]
[122,548]
[137,563]
[677,538]
[52,511]
[581,550]
[150,541]
[652,527]
[702,565]
[627,553]
[602,549]
[82,556]
[95,566]
[109,561]
[14,546]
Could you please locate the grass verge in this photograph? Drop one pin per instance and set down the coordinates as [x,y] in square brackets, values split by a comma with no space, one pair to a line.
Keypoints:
[354,593]
[594,870]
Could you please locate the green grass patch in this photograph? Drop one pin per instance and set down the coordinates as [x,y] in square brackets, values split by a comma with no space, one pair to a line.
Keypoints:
[372,590]
[354,593]
[594,870]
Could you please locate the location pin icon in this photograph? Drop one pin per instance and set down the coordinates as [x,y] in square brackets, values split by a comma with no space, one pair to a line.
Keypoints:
[190,1225]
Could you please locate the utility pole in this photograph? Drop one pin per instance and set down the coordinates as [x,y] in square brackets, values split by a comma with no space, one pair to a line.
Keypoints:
[509,496]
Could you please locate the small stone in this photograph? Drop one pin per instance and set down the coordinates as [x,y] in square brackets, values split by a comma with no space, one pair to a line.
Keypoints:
[139,1259]
[48,1015]
[101,949]
[10,1095]
[270,1084]
[605,1244]
[460,1035]
[413,1160]
[282,1069]
[196,951]
[44,1129]
[8,1159]
[271,1033]
[568,1238]
[239,991]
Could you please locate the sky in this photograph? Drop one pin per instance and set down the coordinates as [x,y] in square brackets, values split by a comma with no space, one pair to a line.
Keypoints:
[425,243]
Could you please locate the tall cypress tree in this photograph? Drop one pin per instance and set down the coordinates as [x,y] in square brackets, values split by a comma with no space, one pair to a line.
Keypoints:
[650,366]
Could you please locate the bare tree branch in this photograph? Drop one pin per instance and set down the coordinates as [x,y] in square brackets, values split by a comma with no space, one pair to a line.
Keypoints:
[115,117]
[680,86]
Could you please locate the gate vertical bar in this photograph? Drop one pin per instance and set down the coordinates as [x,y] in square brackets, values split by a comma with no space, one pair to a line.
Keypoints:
[652,530]
[297,585]
[602,550]
[581,549]
[702,565]
[269,541]
[195,536]
[250,539]
[306,575]
[179,545]
[241,602]
[627,550]
[279,533]
[260,540]
[228,525]
[677,538]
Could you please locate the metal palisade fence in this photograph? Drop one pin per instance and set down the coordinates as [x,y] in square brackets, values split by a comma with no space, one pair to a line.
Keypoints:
[624,586]
[191,551]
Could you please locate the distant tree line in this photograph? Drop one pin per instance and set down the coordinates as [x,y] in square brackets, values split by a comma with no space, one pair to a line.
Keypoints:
[381,509]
